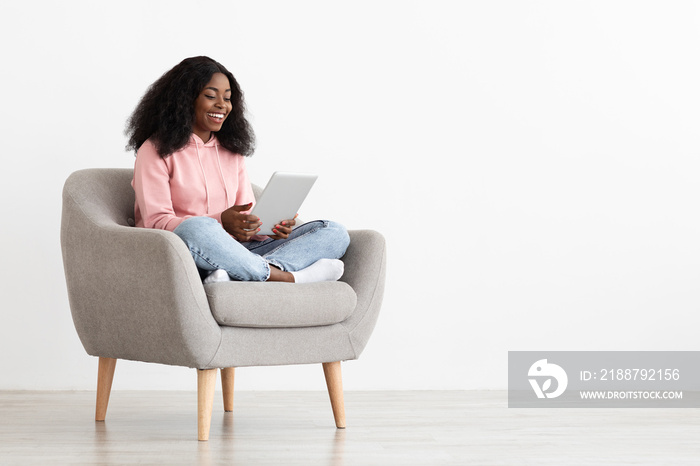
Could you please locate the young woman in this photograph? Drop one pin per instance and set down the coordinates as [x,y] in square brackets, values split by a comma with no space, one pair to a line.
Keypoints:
[191,138]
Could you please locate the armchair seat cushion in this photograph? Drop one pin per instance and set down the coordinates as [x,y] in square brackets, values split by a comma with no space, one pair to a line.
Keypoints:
[283,305]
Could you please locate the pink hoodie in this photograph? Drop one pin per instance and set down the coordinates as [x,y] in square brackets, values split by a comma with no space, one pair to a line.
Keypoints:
[201,179]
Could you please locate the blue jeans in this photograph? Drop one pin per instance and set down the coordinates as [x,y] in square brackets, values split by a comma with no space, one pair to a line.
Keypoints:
[213,248]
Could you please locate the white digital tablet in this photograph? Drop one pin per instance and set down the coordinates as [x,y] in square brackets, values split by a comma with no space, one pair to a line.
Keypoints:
[281,198]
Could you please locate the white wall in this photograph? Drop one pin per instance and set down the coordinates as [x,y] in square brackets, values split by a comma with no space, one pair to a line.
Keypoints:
[533,165]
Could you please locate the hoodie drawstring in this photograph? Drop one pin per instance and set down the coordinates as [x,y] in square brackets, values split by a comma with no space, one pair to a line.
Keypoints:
[221,174]
[206,184]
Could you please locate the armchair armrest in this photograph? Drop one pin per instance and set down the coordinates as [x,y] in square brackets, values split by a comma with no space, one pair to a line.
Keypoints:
[134,293]
[365,272]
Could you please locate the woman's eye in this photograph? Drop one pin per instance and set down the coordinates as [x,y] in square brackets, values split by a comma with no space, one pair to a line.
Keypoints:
[227,99]
[210,97]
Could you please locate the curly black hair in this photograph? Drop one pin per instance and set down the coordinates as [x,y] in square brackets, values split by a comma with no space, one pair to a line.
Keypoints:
[166,111]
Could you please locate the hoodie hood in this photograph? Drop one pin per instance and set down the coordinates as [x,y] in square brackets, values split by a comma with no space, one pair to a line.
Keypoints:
[196,140]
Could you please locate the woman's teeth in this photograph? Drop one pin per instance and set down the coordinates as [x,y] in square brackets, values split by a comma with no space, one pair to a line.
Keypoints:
[216,115]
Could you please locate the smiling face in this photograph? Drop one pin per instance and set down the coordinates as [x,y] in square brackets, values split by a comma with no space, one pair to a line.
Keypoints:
[212,106]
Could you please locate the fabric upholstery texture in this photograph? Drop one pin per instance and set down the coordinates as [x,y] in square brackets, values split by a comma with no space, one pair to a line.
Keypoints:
[238,304]
[136,293]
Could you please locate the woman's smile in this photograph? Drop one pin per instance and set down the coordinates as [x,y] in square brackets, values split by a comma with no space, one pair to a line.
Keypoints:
[212,106]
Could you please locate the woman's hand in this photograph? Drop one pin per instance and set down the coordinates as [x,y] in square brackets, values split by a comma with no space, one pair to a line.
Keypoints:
[239,225]
[283,229]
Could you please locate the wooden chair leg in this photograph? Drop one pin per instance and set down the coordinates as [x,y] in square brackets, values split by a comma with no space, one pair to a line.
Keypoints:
[227,374]
[105,375]
[334,382]
[206,384]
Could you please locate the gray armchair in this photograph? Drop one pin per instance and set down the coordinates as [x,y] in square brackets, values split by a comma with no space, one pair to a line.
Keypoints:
[136,294]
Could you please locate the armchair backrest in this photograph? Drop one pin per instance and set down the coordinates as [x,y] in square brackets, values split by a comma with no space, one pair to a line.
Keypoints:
[103,195]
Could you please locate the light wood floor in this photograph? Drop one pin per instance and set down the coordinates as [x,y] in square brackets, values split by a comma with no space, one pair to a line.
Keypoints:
[296,428]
